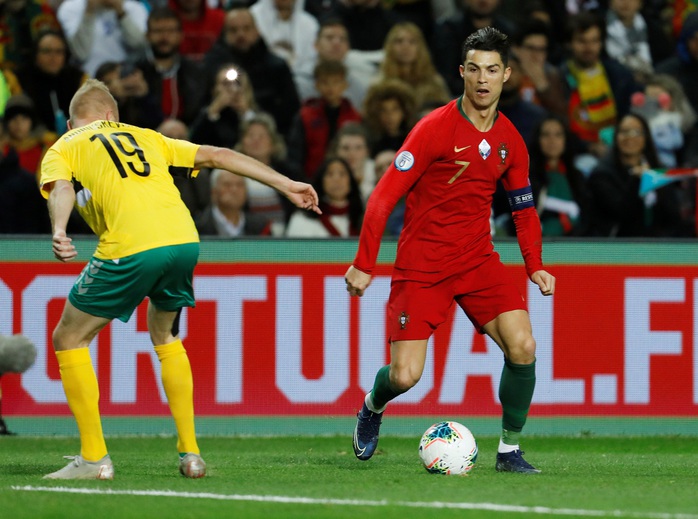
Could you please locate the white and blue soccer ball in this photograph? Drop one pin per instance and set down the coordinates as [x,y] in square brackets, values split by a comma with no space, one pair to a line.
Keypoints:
[448,448]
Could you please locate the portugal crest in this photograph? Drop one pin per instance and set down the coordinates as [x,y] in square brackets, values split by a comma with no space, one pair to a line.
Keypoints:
[503,152]
[404,319]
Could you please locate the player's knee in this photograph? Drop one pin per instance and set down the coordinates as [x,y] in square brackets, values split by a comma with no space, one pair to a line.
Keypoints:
[402,379]
[60,339]
[524,351]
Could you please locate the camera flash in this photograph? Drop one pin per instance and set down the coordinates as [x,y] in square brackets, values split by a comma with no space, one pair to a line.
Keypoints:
[231,74]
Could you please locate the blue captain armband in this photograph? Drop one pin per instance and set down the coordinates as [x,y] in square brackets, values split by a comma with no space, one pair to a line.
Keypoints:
[520,198]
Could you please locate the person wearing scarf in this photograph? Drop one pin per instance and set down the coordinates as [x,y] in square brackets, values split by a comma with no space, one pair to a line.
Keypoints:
[340,203]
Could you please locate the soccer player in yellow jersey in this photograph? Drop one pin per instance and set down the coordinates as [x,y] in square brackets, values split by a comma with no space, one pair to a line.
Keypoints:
[118,176]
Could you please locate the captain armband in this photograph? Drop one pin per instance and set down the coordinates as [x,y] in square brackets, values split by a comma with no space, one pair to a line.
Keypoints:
[520,198]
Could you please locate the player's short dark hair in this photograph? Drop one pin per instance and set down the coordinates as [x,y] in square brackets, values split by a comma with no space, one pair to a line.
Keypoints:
[487,39]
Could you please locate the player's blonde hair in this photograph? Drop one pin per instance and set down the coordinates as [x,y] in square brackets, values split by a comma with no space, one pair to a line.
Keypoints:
[92,99]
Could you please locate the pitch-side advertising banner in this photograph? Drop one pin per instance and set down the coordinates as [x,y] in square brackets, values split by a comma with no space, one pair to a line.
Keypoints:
[286,339]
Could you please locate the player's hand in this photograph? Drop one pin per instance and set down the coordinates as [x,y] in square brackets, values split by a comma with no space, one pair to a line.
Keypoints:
[63,248]
[545,282]
[304,196]
[357,281]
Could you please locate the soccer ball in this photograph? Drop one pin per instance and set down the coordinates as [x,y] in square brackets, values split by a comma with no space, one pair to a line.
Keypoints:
[448,448]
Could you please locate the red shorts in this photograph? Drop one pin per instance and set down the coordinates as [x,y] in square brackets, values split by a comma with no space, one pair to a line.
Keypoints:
[417,308]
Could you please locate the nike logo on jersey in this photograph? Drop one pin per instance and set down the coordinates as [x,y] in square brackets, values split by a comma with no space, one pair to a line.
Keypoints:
[458,150]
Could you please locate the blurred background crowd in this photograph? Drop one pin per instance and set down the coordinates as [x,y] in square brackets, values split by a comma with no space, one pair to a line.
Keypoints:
[325,91]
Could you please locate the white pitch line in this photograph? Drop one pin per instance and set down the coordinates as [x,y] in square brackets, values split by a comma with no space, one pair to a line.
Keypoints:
[492,507]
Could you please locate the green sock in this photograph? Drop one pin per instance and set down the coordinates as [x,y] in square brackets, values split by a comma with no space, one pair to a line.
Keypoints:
[383,392]
[516,392]
[510,437]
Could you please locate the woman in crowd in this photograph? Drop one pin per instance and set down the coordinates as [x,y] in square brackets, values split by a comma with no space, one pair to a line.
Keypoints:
[559,189]
[260,139]
[340,202]
[389,112]
[407,58]
[615,183]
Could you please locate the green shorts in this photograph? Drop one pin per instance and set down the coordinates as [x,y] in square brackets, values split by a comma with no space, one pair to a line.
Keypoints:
[114,288]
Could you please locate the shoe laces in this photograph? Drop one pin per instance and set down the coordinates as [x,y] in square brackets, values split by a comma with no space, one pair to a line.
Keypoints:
[370,423]
[76,459]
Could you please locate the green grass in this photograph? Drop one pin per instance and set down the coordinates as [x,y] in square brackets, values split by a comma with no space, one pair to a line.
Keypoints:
[650,477]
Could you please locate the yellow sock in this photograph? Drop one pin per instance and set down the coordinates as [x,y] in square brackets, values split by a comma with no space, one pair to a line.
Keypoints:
[179,388]
[82,391]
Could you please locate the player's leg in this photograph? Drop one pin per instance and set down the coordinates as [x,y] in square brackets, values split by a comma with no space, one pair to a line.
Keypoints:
[71,339]
[496,307]
[172,292]
[178,382]
[404,371]
[415,309]
[512,332]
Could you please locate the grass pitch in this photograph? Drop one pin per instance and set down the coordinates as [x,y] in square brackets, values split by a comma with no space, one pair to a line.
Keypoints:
[319,477]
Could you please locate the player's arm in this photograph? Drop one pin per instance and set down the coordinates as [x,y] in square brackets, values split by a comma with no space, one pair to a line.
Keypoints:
[299,193]
[61,199]
[392,187]
[528,228]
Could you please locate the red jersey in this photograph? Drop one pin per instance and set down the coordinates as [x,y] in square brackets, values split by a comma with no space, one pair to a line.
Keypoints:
[449,171]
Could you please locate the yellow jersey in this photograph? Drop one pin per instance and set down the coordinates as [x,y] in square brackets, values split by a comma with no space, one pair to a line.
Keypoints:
[124,190]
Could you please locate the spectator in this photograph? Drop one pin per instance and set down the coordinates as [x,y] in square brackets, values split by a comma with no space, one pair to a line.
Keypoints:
[319,119]
[332,44]
[50,80]
[389,114]
[669,115]
[614,184]
[21,22]
[9,86]
[288,30]
[367,22]
[558,12]
[684,65]
[340,202]
[227,214]
[419,12]
[218,123]
[174,79]
[407,58]
[523,114]
[450,33]
[597,89]
[633,39]
[382,161]
[260,140]
[680,10]
[541,82]
[271,78]
[195,193]
[137,105]
[201,26]
[22,209]
[559,189]
[22,134]
[351,144]
[103,30]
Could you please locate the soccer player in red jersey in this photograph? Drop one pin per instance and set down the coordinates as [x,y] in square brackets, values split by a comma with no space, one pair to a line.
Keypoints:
[448,168]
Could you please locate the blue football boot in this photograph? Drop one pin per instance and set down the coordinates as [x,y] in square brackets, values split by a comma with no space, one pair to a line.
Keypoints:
[368,426]
[514,462]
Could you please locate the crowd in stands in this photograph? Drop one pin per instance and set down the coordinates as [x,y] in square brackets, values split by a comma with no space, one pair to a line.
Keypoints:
[325,91]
